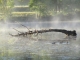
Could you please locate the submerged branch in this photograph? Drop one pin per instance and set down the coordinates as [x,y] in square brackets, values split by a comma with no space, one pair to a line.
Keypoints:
[68,33]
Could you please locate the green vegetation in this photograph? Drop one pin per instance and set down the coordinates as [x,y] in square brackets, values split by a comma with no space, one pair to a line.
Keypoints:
[5,8]
[39,8]
[53,7]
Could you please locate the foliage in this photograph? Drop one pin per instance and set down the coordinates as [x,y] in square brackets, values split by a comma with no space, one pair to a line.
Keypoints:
[5,8]
[39,6]
[48,7]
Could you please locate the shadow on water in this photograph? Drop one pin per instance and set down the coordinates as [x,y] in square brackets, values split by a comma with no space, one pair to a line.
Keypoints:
[39,47]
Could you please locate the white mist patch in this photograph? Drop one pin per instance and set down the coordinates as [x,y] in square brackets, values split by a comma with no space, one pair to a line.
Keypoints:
[68,25]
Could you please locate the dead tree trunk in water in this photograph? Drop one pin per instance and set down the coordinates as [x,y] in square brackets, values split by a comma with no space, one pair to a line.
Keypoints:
[72,33]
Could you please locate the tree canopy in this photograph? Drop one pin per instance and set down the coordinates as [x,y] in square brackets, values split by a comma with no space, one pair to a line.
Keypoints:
[54,6]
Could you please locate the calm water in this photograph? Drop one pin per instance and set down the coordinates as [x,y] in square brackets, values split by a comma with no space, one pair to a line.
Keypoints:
[39,47]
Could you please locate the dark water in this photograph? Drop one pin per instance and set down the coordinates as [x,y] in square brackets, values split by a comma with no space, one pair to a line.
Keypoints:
[39,47]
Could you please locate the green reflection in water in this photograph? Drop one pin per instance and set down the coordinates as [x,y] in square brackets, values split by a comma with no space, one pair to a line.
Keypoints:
[18,55]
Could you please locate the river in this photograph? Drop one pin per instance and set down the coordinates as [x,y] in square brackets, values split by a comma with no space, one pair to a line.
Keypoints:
[39,47]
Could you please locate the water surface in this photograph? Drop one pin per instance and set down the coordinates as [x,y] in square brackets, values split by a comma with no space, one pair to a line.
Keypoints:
[39,47]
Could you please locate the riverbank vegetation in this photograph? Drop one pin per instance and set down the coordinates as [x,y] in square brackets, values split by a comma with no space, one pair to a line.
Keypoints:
[54,7]
[39,8]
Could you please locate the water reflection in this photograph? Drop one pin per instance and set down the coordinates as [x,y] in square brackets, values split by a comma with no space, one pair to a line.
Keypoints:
[31,48]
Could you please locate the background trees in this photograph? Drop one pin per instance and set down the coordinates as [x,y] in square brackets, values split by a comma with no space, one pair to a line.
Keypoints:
[48,7]
[5,8]
[41,8]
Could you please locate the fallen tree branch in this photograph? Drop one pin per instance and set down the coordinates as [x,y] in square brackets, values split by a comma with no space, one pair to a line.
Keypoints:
[68,33]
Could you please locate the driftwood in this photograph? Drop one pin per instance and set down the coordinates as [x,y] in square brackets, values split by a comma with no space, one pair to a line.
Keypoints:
[29,32]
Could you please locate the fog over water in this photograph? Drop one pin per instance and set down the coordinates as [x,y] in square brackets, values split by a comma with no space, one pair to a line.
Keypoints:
[30,47]
[39,15]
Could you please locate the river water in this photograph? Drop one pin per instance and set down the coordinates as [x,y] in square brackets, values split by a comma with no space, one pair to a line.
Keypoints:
[39,47]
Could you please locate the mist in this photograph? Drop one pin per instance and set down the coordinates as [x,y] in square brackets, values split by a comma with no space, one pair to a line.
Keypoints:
[40,15]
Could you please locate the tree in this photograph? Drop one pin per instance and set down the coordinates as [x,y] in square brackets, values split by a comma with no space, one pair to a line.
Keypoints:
[39,6]
[52,7]
[45,8]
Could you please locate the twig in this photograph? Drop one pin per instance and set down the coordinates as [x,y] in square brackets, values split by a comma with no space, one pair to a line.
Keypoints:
[17,30]
[23,26]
